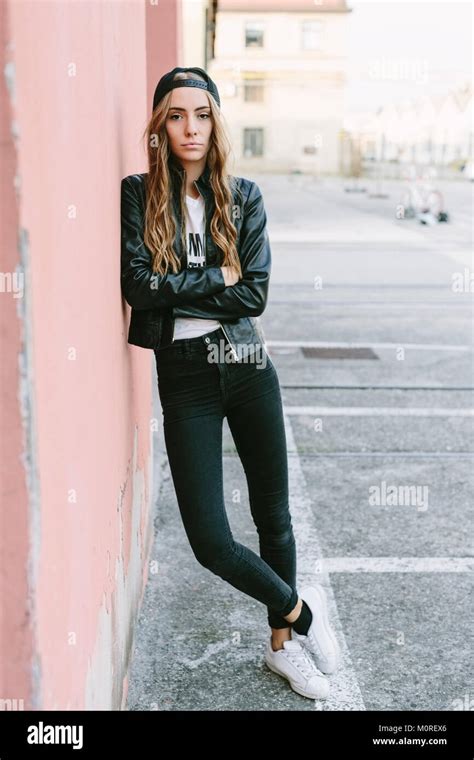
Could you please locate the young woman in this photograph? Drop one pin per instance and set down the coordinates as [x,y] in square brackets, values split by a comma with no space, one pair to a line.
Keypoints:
[195,268]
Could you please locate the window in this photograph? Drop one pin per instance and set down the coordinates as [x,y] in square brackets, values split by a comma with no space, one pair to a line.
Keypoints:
[311,34]
[253,91]
[254,34]
[253,142]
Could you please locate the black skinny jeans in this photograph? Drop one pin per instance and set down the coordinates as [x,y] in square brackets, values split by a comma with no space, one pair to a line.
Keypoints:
[196,394]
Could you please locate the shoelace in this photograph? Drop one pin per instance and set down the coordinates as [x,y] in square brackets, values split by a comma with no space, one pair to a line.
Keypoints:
[314,642]
[303,662]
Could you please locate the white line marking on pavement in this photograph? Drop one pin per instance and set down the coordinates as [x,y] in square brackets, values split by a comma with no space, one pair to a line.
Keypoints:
[418,305]
[380,234]
[345,692]
[209,652]
[465,258]
[397,564]
[376,411]
[368,344]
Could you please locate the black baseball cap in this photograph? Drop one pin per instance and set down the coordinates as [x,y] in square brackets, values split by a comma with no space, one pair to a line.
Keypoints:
[167,83]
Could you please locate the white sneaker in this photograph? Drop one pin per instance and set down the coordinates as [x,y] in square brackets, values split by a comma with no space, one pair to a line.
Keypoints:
[320,640]
[293,663]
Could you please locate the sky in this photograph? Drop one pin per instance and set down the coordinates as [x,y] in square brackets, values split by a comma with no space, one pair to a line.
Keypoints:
[403,49]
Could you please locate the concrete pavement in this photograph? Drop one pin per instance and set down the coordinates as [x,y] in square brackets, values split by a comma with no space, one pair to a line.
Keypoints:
[362,434]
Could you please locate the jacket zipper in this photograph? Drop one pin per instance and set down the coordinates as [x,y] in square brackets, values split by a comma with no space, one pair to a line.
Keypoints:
[229,342]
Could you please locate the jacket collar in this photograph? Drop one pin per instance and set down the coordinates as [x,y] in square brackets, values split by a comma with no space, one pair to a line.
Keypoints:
[203,181]
[177,173]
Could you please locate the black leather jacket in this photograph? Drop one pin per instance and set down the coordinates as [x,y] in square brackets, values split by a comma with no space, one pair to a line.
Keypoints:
[156,300]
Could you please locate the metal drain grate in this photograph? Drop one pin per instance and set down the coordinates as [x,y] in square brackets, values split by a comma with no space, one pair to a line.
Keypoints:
[338,353]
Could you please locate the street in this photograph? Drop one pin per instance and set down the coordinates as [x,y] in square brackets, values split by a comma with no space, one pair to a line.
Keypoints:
[369,324]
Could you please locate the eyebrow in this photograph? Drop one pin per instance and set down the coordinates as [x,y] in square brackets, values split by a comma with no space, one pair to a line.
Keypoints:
[174,108]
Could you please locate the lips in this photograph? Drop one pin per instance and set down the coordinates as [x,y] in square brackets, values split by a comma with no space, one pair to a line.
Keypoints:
[192,145]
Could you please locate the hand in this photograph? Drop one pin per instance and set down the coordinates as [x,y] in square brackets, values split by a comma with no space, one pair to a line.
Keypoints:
[231,275]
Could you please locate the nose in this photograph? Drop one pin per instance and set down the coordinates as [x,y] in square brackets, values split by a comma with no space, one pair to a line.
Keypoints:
[191,127]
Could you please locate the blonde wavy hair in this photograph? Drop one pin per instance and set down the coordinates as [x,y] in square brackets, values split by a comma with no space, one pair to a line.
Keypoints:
[160,224]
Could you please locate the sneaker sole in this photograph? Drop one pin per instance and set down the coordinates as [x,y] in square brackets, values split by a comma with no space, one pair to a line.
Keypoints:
[327,626]
[294,686]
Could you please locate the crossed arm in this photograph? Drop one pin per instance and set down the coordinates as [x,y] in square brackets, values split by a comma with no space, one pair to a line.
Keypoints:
[248,297]
[196,292]
[143,288]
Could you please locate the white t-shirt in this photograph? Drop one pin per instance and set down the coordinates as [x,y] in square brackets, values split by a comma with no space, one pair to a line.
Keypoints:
[192,327]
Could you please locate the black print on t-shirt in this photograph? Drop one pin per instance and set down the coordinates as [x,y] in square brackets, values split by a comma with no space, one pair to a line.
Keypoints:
[196,256]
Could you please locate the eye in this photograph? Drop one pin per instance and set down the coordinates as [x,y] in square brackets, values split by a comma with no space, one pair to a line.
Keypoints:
[175,116]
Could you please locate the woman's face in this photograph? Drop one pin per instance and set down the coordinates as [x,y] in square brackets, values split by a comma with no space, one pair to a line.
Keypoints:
[189,120]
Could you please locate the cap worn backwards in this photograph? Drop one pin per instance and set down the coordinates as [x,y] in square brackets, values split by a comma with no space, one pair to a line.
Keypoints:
[167,83]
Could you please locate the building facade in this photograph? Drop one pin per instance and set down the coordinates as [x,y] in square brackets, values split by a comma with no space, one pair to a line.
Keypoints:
[280,66]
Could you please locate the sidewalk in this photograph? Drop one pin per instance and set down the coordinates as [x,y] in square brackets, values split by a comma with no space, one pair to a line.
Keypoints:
[398,577]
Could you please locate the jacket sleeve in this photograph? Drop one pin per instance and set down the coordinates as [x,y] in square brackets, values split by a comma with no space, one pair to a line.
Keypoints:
[143,288]
[248,297]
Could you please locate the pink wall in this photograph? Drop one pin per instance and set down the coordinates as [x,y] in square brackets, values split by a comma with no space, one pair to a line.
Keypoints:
[165,56]
[16,632]
[76,397]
